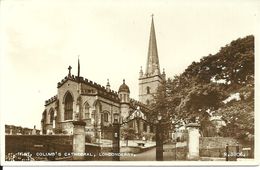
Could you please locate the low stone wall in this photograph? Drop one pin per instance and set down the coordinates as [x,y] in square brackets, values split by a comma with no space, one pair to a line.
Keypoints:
[216,146]
[25,143]
[44,147]
[216,142]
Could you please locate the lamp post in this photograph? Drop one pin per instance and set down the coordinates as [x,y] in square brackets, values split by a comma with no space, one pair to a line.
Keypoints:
[116,138]
[159,139]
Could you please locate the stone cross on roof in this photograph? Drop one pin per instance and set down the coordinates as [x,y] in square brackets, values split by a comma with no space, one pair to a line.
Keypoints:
[69,71]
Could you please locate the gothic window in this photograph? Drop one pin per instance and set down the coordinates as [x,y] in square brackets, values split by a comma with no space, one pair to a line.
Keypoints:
[51,114]
[86,110]
[147,102]
[98,106]
[102,119]
[68,107]
[105,116]
[148,90]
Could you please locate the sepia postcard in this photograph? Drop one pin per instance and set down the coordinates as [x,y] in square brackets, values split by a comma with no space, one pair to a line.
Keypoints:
[129,83]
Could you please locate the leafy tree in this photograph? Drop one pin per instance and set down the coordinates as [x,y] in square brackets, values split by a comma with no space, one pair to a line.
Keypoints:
[199,92]
[128,134]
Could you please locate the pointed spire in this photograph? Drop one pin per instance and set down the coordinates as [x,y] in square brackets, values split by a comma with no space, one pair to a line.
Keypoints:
[108,82]
[141,72]
[163,74]
[153,66]
[108,86]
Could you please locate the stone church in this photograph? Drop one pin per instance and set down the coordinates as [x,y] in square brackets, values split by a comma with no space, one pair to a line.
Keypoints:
[80,98]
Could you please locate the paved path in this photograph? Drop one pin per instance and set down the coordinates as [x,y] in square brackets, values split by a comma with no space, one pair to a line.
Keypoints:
[144,156]
[150,155]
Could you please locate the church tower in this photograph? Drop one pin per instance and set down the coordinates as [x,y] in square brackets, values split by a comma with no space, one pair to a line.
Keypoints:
[152,78]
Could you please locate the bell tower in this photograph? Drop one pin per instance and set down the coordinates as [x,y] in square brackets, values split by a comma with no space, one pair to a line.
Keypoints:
[152,78]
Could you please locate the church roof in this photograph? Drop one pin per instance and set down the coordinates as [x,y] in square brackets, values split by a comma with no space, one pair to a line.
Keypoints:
[112,95]
[124,88]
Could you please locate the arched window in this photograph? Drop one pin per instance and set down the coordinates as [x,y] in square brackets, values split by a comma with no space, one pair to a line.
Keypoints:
[97,106]
[86,111]
[51,114]
[147,102]
[68,107]
[105,116]
[148,90]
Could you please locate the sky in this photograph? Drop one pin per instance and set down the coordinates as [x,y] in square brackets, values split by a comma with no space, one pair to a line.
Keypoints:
[40,39]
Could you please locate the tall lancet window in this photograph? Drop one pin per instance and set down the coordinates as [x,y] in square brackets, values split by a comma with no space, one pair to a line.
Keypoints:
[86,110]
[148,90]
[51,116]
[68,107]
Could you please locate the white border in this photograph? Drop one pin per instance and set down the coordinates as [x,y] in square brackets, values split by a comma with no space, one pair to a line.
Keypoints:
[254,162]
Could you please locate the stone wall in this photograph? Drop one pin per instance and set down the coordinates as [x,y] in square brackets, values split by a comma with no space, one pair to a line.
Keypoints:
[40,145]
[216,146]
[216,142]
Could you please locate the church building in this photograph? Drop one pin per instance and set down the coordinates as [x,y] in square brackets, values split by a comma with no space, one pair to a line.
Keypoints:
[80,98]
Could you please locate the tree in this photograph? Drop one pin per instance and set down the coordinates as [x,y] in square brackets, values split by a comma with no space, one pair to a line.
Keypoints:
[128,134]
[199,92]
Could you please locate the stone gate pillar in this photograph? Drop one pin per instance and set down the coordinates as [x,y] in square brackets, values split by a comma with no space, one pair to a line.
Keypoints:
[78,140]
[193,141]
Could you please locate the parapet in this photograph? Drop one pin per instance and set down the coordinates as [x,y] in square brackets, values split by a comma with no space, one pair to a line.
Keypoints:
[101,89]
[51,100]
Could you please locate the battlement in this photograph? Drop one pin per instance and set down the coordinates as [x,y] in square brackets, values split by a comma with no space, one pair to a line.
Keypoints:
[51,100]
[87,82]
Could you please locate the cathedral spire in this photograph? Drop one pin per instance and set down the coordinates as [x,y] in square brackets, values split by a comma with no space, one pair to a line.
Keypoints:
[153,66]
